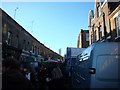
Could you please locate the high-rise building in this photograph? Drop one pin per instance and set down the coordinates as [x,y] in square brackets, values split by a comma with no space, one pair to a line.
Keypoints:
[60,51]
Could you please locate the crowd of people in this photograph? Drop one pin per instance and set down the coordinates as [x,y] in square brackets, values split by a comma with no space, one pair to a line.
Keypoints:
[48,76]
[12,77]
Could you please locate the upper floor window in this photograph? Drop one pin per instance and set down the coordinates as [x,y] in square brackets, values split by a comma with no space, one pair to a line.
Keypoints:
[28,45]
[98,11]
[38,51]
[102,1]
[9,38]
[17,41]
[87,36]
[4,31]
[100,32]
[117,20]
[24,44]
[33,48]
[91,38]
[95,35]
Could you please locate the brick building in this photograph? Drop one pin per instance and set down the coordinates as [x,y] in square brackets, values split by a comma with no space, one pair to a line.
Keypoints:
[16,40]
[104,21]
[83,39]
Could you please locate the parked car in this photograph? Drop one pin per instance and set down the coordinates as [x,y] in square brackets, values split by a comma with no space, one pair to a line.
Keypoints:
[98,66]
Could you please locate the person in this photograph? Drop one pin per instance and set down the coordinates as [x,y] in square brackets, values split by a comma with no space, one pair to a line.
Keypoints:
[28,75]
[57,78]
[42,78]
[12,78]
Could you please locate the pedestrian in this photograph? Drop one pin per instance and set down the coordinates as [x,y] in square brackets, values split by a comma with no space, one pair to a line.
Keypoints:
[28,75]
[12,78]
[57,78]
[43,74]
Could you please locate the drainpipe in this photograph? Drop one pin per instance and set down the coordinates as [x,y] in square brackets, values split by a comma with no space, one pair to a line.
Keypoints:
[110,29]
[105,33]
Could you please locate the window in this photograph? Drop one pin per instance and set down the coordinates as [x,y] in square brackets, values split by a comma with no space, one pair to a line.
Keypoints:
[33,48]
[98,11]
[4,28]
[102,1]
[28,46]
[87,36]
[100,32]
[91,38]
[117,19]
[95,35]
[17,41]
[38,51]
[9,38]
[24,44]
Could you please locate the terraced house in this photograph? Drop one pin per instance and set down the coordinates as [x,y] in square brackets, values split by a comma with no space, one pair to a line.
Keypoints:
[83,39]
[104,21]
[20,43]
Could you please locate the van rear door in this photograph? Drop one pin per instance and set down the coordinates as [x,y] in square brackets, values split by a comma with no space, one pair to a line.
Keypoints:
[106,60]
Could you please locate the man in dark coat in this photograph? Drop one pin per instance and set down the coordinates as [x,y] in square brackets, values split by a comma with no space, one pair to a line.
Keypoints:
[12,78]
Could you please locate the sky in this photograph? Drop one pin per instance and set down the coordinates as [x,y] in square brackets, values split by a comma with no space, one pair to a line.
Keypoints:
[55,24]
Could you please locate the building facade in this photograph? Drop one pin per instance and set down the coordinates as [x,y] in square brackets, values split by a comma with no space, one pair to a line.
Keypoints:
[114,17]
[83,39]
[16,40]
[104,21]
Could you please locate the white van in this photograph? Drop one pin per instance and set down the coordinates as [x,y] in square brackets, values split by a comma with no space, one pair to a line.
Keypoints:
[98,66]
